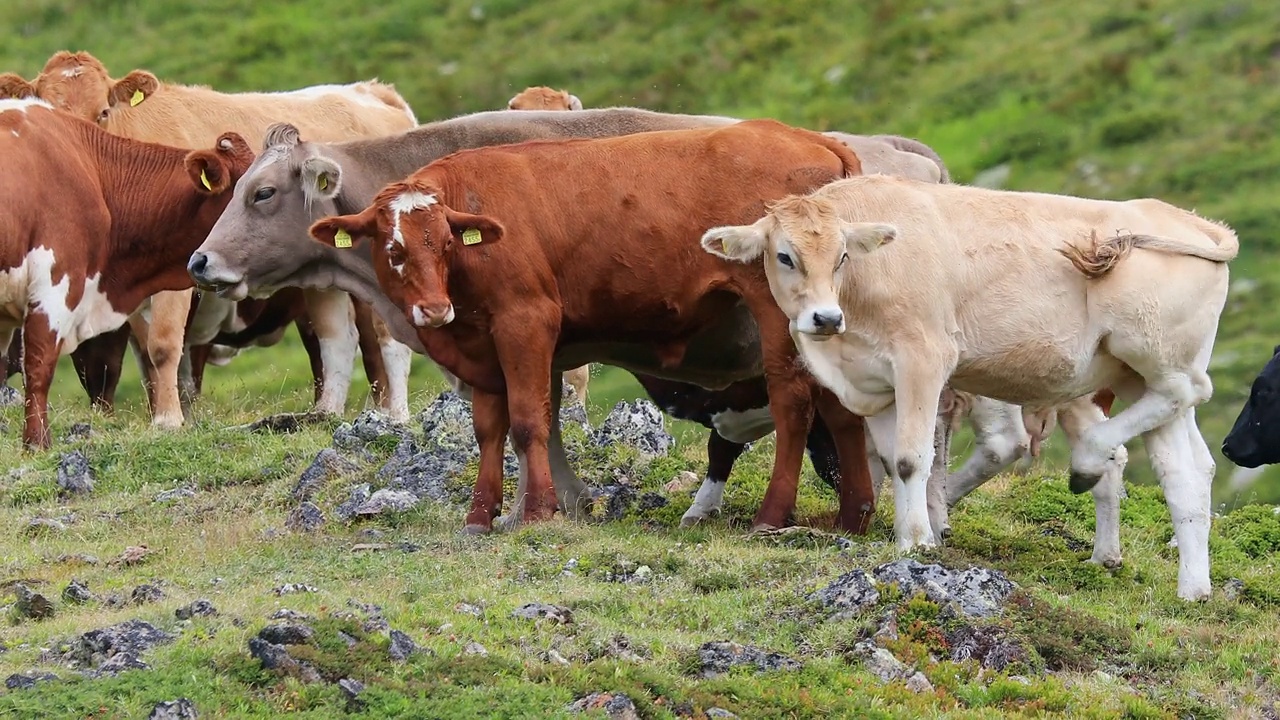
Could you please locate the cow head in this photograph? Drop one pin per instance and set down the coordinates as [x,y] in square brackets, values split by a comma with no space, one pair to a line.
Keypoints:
[1255,438]
[78,83]
[544,98]
[415,237]
[806,248]
[214,171]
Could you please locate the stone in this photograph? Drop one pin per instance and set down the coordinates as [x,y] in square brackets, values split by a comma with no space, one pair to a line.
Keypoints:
[44,526]
[178,493]
[616,498]
[1233,588]
[78,559]
[990,645]
[307,517]
[130,638]
[357,496]
[919,683]
[684,481]
[180,709]
[616,706]
[849,595]
[287,633]
[386,501]
[78,431]
[146,593]
[474,648]
[28,680]
[9,397]
[882,663]
[369,426]
[468,609]
[536,611]
[651,501]
[327,466]
[446,426]
[426,474]
[119,663]
[638,424]
[277,658]
[716,712]
[716,658]
[401,647]
[198,608]
[132,555]
[75,475]
[32,604]
[76,593]
[291,588]
[975,592]
[351,689]
[287,614]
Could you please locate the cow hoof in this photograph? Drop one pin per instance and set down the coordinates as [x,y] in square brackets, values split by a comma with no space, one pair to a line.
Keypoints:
[167,422]
[1082,482]
[944,535]
[476,529]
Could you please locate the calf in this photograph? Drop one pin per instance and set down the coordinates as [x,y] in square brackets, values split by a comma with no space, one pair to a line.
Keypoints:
[1028,298]
[493,297]
[94,224]
[544,98]
[1254,440]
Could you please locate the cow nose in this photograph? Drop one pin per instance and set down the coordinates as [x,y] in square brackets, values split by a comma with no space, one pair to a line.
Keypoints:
[196,266]
[427,316]
[827,319]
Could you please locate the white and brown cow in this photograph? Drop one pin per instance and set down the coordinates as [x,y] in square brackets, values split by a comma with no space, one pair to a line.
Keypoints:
[894,287]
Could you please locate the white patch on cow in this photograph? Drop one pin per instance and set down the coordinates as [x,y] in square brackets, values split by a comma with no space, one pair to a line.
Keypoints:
[30,286]
[406,202]
[398,358]
[419,319]
[73,72]
[706,503]
[21,104]
[743,426]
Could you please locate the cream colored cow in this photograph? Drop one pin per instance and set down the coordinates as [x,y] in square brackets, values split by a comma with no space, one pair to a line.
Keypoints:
[1029,298]
[141,107]
[544,98]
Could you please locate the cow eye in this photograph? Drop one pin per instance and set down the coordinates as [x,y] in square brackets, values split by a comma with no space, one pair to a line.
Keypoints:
[103,115]
[785,259]
[263,194]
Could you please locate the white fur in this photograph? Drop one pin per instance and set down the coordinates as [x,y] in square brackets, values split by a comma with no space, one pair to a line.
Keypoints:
[30,285]
[21,104]
[743,426]
[707,502]
[405,202]
[356,92]
[213,315]
[421,320]
[397,357]
[333,317]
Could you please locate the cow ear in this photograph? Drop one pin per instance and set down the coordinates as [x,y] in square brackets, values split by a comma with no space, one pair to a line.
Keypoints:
[321,177]
[346,231]
[13,86]
[739,243]
[861,238]
[574,103]
[133,88]
[473,229]
[208,171]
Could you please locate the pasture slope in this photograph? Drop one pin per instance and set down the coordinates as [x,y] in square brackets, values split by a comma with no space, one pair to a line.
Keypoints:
[1165,98]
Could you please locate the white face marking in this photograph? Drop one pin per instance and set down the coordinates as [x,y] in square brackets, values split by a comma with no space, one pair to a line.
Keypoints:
[21,104]
[30,286]
[419,318]
[743,426]
[406,202]
[73,72]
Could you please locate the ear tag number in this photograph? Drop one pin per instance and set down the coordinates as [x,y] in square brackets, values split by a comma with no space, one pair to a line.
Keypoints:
[342,239]
[470,236]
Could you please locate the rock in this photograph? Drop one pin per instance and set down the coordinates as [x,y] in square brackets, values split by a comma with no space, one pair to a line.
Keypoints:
[716,712]
[32,604]
[129,638]
[358,496]
[642,574]
[849,594]
[919,683]
[1232,588]
[990,645]
[198,608]
[616,706]
[287,633]
[638,424]
[369,426]
[573,412]
[307,517]
[650,501]
[78,559]
[351,689]
[327,466]
[350,641]
[386,501]
[44,526]
[78,431]
[555,657]
[132,555]
[684,481]
[716,658]
[75,476]
[277,657]
[882,663]
[119,663]
[291,588]
[474,648]
[180,709]
[468,609]
[9,397]
[178,493]
[76,592]
[427,474]
[617,499]
[28,680]
[146,593]
[446,426]
[402,646]
[975,592]
[535,611]
[619,647]
[287,614]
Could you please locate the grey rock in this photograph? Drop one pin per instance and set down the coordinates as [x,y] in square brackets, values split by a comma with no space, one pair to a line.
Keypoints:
[427,474]
[474,648]
[178,493]
[291,588]
[327,466]
[716,712]
[618,498]
[358,496]
[989,645]
[146,593]
[78,559]
[882,663]
[975,592]
[351,689]
[76,592]
[119,663]
[180,709]
[9,397]
[468,609]
[638,424]
[716,658]
[1232,588]
[919,683]
[287,633]
[44,526]
[651,501]
[307,517]
[78,431]
[402,646]
[572,411]
[369,426]
[131,637]
[28,680]
[446,426]
[198,608]
[536,611]
[277,657]
[32,604]
[287,614]
[386,501]
[350,641]
[616,706]
[75,476]
[849,594]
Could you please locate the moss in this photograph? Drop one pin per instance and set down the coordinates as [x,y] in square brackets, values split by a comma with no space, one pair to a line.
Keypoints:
[1254,529]
[1066,639]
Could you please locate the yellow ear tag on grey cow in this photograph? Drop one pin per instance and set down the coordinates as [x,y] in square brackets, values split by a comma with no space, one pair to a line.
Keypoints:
[470,236]
[137,98]
[205,179]
[323,182]
[342,239]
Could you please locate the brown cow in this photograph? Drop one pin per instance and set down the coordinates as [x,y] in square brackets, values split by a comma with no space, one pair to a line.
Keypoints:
[93,225]
[571,256]
[141,107]
[544,98]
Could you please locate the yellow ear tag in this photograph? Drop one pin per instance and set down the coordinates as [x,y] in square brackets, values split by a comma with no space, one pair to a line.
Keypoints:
[470,236]
[137,98]
[205,179]
[342,239]
[324,182]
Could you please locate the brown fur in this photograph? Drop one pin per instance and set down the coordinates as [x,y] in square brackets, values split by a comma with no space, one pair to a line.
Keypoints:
[544,98]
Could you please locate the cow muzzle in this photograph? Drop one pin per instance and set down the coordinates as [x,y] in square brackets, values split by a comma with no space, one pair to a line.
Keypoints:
[204,271]
[432,316]
[821,322]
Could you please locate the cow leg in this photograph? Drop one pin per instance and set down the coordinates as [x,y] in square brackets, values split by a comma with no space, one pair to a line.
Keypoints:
[1001,438]
[857,497]
[186,384]
[578,378]
[370,342]
[573,495]
[936,487]
[1075,417]
[197,359]
[721,455]
[40,351]
[490,421]
[397,359]
[791,403]
[824,454]
[333,317]
[904,435]
[138,331]
[169,311]
[98,362]
[1187,495]
[311,343]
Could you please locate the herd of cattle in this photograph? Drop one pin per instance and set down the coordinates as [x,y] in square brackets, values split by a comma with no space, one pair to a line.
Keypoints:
[836,289]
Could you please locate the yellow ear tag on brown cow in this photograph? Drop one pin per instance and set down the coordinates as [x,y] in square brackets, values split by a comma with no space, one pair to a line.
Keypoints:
[342,239]
[137,98]
[470,236]
[205,179]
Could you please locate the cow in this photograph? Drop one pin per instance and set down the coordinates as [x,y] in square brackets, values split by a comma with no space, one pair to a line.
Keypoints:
[259,246]
[497,315]
[93,224]
[141,107]
[1254,439]
[544,98]
[895,288]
